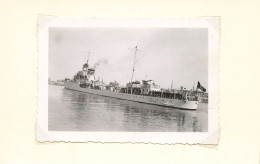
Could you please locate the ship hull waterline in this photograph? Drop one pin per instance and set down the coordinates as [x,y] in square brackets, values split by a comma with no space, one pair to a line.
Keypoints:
[173,103]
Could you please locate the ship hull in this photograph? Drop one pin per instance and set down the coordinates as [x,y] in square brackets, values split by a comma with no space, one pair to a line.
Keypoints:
[174,103]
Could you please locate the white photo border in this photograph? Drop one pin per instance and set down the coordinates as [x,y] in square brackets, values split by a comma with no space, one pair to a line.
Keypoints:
[209,137]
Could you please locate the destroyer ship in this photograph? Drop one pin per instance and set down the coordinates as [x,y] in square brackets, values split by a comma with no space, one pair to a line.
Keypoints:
[144,91]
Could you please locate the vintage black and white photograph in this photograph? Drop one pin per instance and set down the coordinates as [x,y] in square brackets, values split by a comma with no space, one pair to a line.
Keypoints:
[143,79]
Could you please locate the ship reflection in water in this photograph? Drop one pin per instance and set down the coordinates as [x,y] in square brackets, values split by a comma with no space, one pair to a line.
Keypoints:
[75,111]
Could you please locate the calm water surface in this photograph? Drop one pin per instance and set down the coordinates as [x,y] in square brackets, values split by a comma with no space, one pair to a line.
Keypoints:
[76,111]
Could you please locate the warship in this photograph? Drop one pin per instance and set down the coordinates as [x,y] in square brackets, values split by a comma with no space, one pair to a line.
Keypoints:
[144,91]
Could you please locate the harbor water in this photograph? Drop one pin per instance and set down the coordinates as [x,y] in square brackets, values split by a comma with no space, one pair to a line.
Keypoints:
[70,110]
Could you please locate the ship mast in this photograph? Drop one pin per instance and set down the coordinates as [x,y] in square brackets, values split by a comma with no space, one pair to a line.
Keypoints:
[88,55]
[86,67]
[134,64]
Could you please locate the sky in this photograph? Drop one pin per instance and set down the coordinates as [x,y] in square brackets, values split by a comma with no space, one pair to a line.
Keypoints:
[165,54]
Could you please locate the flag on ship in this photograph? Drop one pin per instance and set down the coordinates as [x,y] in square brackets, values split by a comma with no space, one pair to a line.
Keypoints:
[199,86]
